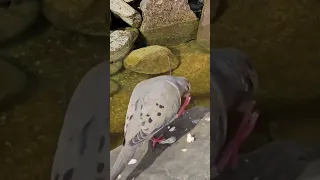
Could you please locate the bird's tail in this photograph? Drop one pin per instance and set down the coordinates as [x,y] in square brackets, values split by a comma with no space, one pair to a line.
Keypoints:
[125,155]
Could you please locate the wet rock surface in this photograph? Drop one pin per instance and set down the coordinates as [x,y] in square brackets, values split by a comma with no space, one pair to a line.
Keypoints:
[181,160]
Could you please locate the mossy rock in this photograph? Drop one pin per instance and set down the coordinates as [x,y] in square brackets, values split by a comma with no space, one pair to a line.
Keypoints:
[151,60]
[119,101]
[114,87]
[194,65]
[115,67]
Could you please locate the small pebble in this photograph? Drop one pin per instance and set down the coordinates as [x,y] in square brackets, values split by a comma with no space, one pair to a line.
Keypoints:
[190,138]
[132,161]
[195,121]
[183,150]
[172,129]
[119,176]
[170,140]
[169,127]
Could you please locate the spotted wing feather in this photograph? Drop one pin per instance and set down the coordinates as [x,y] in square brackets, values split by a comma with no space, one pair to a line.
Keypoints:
[156,112]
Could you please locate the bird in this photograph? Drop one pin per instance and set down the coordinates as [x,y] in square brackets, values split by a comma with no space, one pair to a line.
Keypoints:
[82,150]
[237,82]
[154,103]
[218,125]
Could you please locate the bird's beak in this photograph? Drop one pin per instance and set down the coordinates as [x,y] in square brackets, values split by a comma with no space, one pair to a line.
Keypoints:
[186,95]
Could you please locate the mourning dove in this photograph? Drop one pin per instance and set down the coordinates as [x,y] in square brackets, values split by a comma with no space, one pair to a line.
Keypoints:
[154,103]
[82,152]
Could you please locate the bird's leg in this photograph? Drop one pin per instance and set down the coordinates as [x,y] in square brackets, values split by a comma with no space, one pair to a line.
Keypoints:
[184,105]
[230,154]
[157,140]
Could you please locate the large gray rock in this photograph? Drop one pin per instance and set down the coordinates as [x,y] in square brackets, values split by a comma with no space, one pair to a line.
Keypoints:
[17,18]
[12,81]
[169,162]
[168,22]
[85,16]
[121,42]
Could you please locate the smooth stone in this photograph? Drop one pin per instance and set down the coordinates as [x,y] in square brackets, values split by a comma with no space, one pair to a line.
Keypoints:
[114,87]
[115,67]
[151,60]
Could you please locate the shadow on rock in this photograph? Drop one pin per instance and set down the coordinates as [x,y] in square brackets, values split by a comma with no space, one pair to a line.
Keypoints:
[278,160]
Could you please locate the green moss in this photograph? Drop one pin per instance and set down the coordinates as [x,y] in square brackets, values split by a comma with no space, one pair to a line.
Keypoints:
[151,60]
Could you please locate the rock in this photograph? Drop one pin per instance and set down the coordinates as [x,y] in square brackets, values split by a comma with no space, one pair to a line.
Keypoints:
[167,162]
[121,42]
[311,172]
[151,60]
[203,36]
[114,87]
[17,18]
[196,67]
[115,67]
[215,7]
[86,16]
[12,81]
[278,160]
[126,12]
[168,22]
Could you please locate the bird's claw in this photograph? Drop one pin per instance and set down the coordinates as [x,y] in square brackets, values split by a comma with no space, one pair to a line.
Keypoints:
[157,140]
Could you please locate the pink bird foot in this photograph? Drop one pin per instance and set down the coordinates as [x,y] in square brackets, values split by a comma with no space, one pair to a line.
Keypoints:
[157,140]
[230,154]
[184,105]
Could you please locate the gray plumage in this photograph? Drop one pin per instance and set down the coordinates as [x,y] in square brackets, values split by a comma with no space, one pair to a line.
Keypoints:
[218,125]
[82,152]
[235,76]
[154,103]
[233,83]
